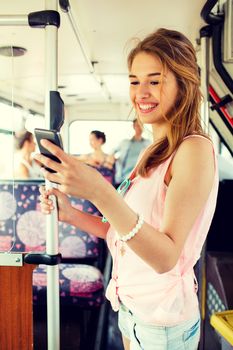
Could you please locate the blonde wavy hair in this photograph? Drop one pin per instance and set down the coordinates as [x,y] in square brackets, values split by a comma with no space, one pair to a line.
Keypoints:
[177,54]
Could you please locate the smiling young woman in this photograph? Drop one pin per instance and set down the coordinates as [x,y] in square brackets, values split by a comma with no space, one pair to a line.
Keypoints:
[162,221]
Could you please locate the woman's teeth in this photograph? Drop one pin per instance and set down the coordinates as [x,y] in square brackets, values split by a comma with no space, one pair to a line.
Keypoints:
[147,107]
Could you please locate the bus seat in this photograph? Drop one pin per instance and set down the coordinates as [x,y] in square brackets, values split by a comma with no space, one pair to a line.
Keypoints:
[107,173]
[220,236]
[80,285]
[219,290]
[219,268]
[22,223]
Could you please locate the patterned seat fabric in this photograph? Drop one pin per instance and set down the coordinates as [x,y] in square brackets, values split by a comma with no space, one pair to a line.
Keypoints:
[108,174]
[75,243]
[22,229]
[80,285]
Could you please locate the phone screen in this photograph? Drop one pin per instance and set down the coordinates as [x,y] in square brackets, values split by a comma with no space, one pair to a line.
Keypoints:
[52,136]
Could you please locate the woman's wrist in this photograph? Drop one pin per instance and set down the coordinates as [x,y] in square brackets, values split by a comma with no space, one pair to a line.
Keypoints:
[97,188]
[102,193]
[73,216]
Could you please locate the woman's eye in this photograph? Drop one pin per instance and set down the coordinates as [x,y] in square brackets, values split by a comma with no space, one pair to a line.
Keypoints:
[134,83]
[154,82]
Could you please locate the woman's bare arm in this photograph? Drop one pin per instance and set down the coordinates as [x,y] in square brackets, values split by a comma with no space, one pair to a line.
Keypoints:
[89,223]
[192,175]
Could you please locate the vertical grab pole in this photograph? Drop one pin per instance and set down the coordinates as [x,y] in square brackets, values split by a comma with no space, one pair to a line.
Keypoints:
[204,37]
[205,34]
[53,302]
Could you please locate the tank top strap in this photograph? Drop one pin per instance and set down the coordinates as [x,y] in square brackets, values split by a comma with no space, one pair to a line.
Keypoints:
[165,165]
[198,135]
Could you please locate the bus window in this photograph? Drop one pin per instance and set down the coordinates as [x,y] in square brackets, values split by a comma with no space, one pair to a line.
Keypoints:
[115,132]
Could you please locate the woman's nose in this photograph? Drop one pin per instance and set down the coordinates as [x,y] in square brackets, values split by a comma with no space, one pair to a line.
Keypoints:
[143,91]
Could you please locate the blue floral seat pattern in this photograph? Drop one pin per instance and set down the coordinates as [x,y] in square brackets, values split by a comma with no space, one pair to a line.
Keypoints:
[80,285]
[22,229]
[22,223]
[108,174]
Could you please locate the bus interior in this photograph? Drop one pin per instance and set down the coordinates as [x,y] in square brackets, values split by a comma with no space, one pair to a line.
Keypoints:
[63,66]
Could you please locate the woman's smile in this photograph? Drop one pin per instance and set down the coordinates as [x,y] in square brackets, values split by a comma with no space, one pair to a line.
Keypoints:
[146,107]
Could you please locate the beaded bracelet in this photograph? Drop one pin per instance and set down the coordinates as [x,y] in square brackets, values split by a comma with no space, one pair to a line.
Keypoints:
[134,231]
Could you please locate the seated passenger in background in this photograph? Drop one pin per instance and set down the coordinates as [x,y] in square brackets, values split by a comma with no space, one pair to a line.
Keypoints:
[25,166]
[97,158]
[126,154]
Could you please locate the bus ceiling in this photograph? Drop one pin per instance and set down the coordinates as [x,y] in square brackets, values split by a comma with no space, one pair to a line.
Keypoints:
[92,61]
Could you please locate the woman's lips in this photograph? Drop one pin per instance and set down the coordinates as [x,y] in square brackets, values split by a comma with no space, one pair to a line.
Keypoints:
[147,107]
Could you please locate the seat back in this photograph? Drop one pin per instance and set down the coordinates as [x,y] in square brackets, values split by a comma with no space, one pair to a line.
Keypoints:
[23,226]
[220,236]
[219,268]
[108,174]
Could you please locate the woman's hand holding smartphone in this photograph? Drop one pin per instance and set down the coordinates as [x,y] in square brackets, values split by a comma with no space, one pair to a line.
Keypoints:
[52,136]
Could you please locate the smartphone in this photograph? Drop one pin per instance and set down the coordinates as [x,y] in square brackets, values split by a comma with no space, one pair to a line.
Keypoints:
[52,136]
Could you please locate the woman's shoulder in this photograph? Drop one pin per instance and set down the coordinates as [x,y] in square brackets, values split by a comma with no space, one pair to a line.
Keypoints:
[196,143]
[190,146]
[195,151]
[196,136]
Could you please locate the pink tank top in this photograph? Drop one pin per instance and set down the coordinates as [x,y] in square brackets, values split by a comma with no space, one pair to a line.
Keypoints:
[158,299]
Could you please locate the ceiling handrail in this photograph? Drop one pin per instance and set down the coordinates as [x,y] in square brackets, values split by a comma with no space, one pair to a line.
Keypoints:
[216,22]
[210,17]
[65,6]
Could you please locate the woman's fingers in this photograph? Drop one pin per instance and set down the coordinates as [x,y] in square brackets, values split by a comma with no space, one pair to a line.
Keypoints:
[55,150]
[46,204]
[52,177]
[72,175]
[47,192]
[42,189]
[47,162]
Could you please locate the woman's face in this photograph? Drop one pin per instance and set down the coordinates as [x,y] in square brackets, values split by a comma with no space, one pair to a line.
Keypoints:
[152,93]
[95,143]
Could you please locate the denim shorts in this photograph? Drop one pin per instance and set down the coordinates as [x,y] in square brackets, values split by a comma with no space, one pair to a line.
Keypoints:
[142,336]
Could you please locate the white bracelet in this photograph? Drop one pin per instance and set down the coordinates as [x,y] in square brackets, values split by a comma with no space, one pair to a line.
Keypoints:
[134,231]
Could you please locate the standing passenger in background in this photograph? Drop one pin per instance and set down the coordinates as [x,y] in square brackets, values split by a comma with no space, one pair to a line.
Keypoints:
[126,154]
[156,232]
[25,166]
